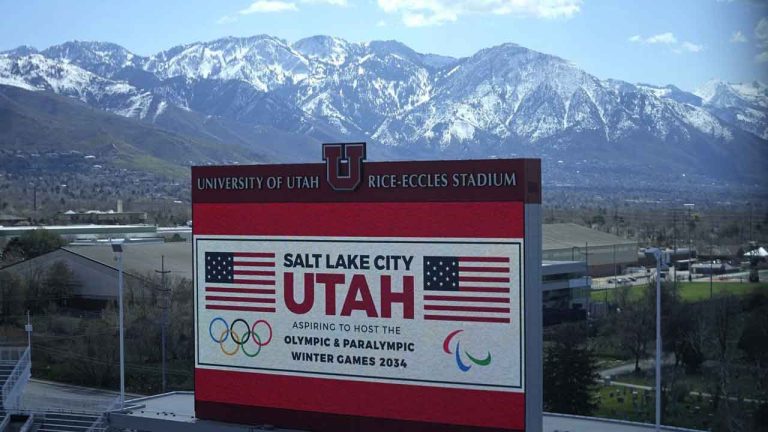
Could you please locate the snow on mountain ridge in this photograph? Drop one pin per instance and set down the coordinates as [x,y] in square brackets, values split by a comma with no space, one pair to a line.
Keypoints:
[39,73]
[101,58]
[502,100]
[263,61]
[744,105]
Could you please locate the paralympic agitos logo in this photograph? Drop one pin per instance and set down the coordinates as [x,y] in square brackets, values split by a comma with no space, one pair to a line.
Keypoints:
[464,367]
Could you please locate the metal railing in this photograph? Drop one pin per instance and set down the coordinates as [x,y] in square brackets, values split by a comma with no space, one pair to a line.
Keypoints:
[27,426]
[40,417]
[5,422]
[101,423]
[19,376]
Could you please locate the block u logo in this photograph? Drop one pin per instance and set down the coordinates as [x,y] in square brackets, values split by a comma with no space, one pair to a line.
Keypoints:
[344,165]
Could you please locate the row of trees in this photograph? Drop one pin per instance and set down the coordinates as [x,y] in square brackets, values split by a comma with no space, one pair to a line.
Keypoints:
[77,342]
[672,226]
[718,348]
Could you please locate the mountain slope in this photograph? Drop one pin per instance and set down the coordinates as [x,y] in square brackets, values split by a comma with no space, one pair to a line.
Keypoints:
[36,72]
[42,122]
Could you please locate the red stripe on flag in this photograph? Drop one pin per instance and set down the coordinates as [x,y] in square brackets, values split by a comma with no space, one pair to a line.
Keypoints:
[253,264]
[485,259]
[254,272]
[484,269]
[482,279]
[465,318]
[240,290]
[240,299]
[484,289]
[240,308]
[254,282]
[255,254]
[466,299]
[466,308]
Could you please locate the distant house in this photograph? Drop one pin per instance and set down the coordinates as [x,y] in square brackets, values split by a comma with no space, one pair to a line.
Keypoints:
[98,217]
[12,220]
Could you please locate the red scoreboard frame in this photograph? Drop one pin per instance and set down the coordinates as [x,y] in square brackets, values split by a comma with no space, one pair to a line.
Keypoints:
[348,198]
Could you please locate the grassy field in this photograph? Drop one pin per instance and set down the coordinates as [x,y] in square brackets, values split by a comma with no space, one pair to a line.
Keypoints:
[620,403]
[638,405]
[691,291]
[742,382]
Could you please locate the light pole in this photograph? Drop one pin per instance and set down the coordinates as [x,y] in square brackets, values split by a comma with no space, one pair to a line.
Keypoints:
[690,264]
[117,248]
[28,329]
[711,258]
[656,253]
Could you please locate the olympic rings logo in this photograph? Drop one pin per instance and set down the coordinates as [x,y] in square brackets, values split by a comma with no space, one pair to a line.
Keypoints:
[238,335]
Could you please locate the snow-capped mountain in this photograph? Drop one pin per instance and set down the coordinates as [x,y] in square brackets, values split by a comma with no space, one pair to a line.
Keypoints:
[745,105]
[101,58]
[502,101]
[264,62]
[37,72]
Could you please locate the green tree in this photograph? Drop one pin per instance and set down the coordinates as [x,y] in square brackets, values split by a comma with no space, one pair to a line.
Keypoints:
[753,343]
[11,299]
[633,325]
[725,328]
[33,243]
[570,373]
[60,283]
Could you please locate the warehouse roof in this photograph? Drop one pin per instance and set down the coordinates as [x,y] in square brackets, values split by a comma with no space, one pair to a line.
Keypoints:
[568,235]
[142,259]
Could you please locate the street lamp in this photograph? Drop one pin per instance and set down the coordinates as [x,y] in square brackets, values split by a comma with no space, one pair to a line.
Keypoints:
[117,249]
[659,256]
[690,264]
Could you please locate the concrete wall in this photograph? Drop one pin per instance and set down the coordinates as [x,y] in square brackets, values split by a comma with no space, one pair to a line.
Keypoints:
[600,258]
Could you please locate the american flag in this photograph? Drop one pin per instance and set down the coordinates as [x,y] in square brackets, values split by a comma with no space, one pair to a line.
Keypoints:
[472,289]
[240,281]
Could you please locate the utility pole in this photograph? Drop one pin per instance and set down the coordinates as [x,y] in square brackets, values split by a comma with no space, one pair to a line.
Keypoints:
[711,261]
[615,276]
[690,246]
[674,250]
[117,249]
[165,305]
[674,230]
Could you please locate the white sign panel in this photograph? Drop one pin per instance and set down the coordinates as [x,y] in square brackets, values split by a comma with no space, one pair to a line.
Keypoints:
[427,311]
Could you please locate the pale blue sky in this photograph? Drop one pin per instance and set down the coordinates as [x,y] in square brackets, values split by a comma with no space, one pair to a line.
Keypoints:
[681,42]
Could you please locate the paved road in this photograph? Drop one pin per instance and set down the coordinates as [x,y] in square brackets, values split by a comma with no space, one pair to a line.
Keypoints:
[682,275]
[647,364]
[630,367]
